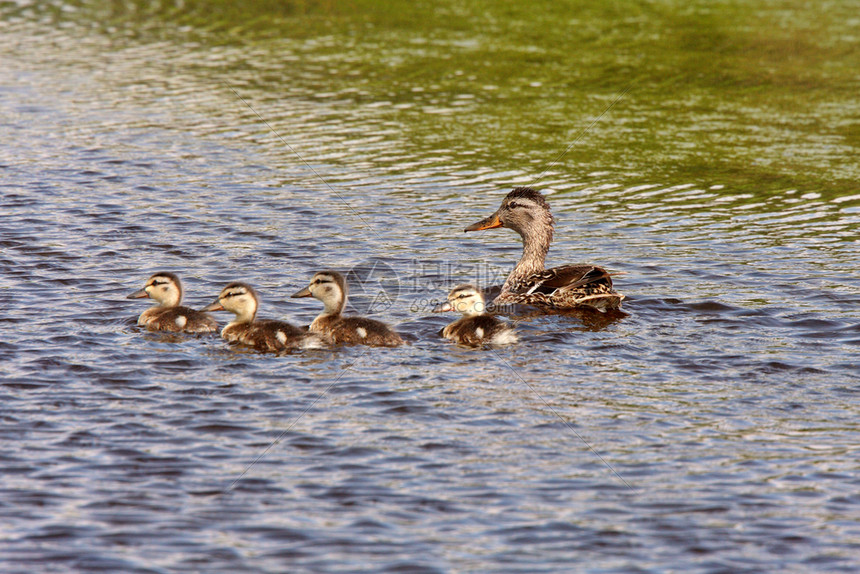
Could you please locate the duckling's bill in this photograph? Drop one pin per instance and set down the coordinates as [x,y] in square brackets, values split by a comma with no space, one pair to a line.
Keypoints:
[139,294]
[487,223]
[443,307]
[214,306]
[306,292]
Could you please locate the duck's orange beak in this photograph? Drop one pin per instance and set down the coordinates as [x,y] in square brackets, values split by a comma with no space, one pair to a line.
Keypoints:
[488,223]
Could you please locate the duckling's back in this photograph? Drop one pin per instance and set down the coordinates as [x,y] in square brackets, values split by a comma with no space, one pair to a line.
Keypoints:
[479,329]
[363,331]
[271,335]
[177,320]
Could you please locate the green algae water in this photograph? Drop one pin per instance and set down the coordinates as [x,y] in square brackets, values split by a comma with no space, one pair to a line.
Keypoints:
[754,96]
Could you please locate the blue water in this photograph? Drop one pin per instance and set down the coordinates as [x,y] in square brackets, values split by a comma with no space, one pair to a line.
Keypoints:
[713,428]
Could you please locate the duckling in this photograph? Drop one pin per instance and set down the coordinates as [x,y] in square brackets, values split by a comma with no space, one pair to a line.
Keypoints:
[167,314]
[330,288]
[567,287]
[262,334]
[476,327]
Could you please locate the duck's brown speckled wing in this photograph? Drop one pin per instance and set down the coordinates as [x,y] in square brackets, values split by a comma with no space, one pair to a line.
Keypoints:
[569,286]
[569,278]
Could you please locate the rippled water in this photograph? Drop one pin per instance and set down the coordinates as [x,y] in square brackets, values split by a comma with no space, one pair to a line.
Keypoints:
[713,428]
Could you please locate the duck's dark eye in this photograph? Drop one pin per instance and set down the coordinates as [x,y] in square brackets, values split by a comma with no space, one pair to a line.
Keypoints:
[513,205]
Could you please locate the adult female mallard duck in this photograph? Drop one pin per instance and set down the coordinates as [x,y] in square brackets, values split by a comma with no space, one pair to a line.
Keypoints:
[567,287]
[475,327]
[167,314]
[262,334]
[330,288]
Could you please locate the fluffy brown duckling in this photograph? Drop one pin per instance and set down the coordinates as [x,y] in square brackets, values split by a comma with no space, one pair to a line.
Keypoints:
[330,288]
[476,327]
[262,334]
[167,314]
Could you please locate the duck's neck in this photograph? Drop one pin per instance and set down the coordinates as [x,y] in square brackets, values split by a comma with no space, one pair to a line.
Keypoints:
[244,316]
[333,306]
[326,319]
[535,247]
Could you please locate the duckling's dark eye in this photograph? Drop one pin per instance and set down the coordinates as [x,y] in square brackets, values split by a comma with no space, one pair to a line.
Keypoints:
[513,205]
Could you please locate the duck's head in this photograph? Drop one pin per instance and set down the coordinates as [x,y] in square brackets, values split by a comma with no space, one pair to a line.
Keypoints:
[238,298]
[465,299]
[164,288]
[524,210]
[330,288]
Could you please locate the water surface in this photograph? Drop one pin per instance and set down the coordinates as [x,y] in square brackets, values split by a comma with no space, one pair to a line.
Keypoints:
[712,428]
